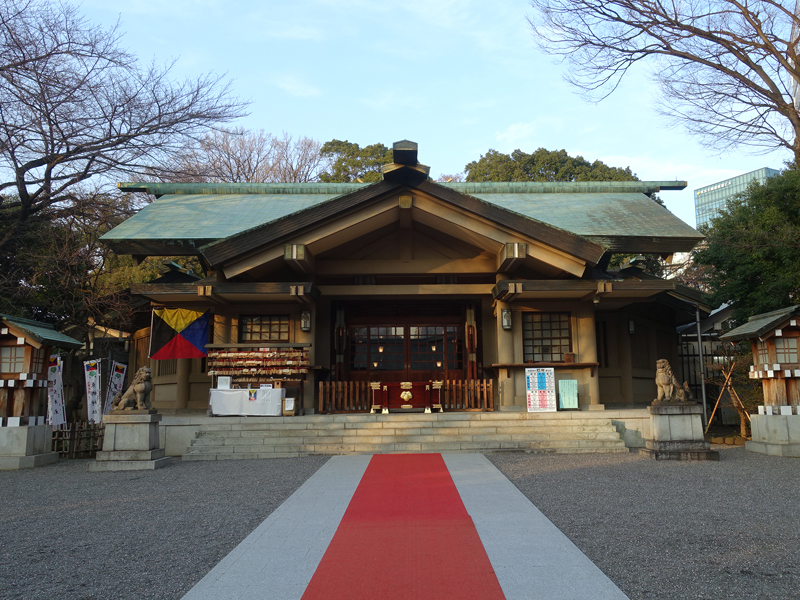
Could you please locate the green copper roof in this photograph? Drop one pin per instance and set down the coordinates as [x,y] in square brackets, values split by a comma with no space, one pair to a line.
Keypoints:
[596,215]
[758,325]
[43,333]
[212,216]
[616,214]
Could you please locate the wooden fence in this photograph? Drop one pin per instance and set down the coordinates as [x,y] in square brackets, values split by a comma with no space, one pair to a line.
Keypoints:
[356,396]
[78,440]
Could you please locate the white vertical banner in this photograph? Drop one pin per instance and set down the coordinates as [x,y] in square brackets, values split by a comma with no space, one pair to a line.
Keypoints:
[115,380]
[94,404]
[55,392]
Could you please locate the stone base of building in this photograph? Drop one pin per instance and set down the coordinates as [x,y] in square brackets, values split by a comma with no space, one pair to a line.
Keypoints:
[677,430]
[130,442]
[26,447]
[776,435]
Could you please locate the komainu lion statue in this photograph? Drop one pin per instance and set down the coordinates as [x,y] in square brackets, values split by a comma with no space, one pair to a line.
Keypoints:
[137,396]
[668,387]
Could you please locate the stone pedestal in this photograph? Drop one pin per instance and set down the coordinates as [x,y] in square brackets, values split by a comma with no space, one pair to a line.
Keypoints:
[26,447]
[677,430]
[130,442]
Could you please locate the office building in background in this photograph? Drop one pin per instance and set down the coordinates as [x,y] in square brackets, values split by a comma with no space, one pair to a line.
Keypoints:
[709,199]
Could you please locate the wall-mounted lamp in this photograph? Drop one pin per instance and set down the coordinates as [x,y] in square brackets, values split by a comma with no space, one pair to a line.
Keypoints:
[631,327]
[438,364]
[305,320]
[380,348]
[433,348]
[505,318]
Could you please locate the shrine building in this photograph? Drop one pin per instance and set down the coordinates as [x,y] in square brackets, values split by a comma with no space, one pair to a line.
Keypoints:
[453,289]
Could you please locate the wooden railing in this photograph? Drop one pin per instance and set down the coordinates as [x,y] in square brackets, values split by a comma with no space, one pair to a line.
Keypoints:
[468,394]
[356,396]
[344,396]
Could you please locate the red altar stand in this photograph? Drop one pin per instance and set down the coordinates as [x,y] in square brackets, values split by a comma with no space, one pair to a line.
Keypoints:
[406,395]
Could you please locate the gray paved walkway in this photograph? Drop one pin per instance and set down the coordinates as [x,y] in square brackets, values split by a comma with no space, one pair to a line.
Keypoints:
[532,558]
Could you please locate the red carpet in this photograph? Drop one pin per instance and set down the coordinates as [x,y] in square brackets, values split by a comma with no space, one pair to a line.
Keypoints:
[405,535]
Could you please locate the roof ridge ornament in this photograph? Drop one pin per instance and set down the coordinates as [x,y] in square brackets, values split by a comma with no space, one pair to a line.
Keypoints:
[405,169]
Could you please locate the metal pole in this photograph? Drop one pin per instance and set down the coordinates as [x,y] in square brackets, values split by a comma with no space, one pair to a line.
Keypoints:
[702,363]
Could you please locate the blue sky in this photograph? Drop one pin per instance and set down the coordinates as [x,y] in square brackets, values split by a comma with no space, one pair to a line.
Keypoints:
[457,77]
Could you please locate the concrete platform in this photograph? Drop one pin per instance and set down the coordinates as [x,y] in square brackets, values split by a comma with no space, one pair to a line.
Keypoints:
[531,557]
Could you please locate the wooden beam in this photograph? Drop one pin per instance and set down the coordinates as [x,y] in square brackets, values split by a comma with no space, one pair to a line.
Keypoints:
[397,267]
[299,258]
[406,239]
[207,291]
[511,256]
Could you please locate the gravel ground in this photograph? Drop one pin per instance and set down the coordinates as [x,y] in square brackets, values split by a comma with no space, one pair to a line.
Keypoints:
[69,534]
[659,530]
[664,530]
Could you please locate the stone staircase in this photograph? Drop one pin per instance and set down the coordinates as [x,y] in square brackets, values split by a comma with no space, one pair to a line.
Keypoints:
[271,437]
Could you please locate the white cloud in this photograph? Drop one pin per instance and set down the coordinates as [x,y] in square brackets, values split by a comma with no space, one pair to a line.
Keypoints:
[295,86]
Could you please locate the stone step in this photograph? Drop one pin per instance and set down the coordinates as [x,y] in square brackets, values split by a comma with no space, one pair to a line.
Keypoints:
[385,450]
[532,436]
[238,438]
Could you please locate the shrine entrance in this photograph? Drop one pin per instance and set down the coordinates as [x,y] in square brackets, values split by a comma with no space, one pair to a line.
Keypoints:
[405,342]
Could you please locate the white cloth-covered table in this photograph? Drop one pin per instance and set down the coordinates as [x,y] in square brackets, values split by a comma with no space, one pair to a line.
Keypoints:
[247,403]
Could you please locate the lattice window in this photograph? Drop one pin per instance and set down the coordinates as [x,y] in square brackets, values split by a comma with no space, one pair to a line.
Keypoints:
[763,353]
[37,360]
[786,350]
[387,348]
[264,328]
[546,336]
[12,359]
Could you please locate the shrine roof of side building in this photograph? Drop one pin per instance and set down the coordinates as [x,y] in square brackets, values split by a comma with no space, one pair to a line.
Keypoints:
[760,325]
[599,211]
[41,333]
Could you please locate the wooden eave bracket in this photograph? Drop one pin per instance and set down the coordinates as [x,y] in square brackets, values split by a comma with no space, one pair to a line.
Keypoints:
[511,256]
[207,291]
[302,292]
[603,288]
[502,293]
[299,258]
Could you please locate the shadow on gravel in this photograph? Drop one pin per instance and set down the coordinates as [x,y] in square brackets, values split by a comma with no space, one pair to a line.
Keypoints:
[665,530]
[69,534]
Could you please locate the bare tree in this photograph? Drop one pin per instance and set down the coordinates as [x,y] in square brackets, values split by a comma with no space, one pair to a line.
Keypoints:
[727,68]
[227,155]
[74,105]
[297,161]
[455,177]
[243,156]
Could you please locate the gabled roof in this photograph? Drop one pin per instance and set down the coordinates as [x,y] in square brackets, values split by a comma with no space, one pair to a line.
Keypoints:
[273,232]
[40,333]
[760,325]
[618,216]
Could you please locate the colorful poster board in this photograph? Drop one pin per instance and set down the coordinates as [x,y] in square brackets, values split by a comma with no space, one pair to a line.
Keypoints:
[568,394]
[540,385]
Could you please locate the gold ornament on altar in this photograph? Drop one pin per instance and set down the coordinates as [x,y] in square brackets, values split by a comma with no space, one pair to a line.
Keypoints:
[406,396]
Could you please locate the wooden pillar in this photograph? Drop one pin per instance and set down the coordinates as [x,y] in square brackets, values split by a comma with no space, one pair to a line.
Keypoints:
[505,355]
[307,337]
[183,385]
[588,353]
[625,360]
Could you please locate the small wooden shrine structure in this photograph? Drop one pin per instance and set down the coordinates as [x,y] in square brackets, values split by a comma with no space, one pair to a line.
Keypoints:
[25,348]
